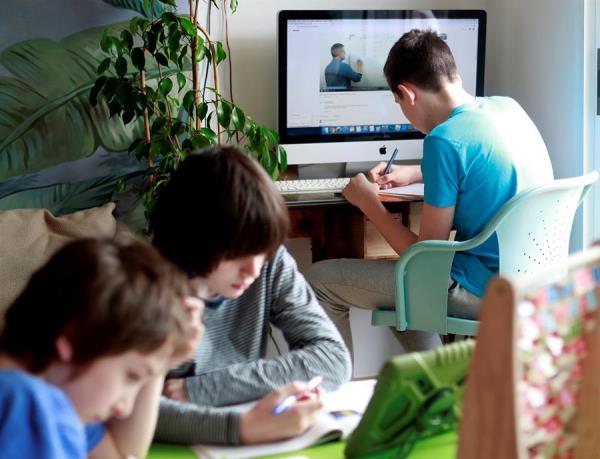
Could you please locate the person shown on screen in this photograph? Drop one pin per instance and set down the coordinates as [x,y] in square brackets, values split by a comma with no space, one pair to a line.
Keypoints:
[222,221]
[477,154]
[338,74]
[85,348]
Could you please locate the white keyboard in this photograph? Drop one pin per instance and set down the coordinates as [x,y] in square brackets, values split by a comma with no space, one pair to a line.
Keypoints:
[331,185]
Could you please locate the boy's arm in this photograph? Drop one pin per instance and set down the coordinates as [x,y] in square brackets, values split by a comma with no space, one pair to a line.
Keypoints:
[316,347]
[187,423]
[132,436]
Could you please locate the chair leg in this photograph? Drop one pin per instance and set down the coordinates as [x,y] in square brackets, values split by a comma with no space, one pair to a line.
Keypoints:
[449,338]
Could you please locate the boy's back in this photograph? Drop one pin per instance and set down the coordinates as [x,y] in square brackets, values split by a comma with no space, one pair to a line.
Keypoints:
[485,153]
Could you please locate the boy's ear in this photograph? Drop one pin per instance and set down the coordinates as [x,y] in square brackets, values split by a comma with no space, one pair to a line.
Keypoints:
[408,93]
[64,349]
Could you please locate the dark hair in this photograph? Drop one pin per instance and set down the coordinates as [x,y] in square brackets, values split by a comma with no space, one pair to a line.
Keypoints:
[335,48]
[106,297]
[422,58]
[219,205]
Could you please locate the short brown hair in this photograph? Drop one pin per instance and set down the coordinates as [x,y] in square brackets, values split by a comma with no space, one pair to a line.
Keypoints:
[106,297]
[219,205]
[420,57]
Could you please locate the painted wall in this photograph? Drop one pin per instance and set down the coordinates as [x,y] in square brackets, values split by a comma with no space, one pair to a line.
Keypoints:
[536,55]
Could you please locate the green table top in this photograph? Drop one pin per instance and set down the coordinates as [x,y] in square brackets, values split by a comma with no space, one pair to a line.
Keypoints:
[438,447]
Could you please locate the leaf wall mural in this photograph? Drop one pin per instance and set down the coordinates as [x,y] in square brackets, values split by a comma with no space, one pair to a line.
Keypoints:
[56,151]
[141,6]
[64,198]
[45,117]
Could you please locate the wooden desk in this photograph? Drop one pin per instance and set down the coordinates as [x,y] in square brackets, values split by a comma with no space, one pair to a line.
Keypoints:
[337,229]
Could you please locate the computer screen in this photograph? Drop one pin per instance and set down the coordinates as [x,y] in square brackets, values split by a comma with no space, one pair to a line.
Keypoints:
[334,102]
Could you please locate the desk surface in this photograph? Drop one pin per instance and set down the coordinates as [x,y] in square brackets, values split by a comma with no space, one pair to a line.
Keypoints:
[438,447]
[328,199]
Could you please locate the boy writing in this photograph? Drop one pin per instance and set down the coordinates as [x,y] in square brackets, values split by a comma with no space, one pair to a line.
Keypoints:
[89,340]
[222,221]
[477,154]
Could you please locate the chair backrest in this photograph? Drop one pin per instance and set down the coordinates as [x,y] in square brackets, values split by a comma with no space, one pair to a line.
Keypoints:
[532,387]
[534,227]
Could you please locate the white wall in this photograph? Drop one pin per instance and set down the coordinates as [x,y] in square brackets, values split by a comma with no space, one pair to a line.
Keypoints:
[535,54]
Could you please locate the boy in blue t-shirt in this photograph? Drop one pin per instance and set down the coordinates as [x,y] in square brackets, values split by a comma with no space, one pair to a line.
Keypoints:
[85,349]
[477,154]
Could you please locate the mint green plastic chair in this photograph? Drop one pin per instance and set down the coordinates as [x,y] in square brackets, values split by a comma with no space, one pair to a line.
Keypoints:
[533,230]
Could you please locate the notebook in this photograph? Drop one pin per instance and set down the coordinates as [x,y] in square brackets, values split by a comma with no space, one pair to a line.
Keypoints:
[414,189]
[342,413]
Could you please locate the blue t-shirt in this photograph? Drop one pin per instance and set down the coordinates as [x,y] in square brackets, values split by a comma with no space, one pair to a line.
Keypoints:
[38,420]
[339,74]
[486,152]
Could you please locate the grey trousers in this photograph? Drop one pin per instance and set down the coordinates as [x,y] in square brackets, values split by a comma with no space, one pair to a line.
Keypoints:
[369,284]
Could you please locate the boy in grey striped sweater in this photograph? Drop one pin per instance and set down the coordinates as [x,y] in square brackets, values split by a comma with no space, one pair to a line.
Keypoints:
[221,220]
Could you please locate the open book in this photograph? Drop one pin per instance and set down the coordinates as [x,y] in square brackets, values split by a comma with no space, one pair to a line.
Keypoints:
[414,189]
[342,413]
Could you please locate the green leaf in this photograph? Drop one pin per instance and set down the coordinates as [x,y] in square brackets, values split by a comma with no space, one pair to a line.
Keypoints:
[221,54]
[138,58]
[161,59]
[282,159]
[160,147]
[127,39]
[201,53]
[233,4]
[238,118]
[175,42]
[202,110]
[169,18]
[121,66]
[209,134]
[224,113]
[120,185]
[188,102]
[181,81]
[103,67]
[158,124]
[188,26]
[165,86]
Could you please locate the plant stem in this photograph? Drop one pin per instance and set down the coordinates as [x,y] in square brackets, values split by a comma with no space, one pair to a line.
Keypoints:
[213,53]
[229,61]
[194,45]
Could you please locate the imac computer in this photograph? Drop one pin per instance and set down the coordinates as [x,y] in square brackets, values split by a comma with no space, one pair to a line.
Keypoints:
[334,104]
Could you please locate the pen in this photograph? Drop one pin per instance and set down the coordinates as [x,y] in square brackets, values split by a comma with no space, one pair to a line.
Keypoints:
[291,399]
[388,166]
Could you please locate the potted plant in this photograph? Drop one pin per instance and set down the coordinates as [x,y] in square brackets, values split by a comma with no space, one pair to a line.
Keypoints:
[151,77]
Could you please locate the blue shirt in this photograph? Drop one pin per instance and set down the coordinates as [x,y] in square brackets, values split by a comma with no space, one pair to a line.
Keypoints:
[485,153]
[339,74]
[38,420]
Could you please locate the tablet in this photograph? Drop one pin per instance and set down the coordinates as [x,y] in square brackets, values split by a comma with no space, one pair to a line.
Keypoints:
[417,395]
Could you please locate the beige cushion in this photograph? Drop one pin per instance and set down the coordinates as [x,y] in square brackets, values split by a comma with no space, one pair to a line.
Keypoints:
[29,237]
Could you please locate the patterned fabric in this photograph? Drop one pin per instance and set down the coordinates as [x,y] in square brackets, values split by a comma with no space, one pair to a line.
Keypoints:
[552,328]
[230,365]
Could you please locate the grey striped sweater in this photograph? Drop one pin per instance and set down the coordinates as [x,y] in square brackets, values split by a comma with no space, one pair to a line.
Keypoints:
[230,365]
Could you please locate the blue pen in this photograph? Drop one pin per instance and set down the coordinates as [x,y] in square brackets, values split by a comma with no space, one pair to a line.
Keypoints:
[291,399]
[388,166]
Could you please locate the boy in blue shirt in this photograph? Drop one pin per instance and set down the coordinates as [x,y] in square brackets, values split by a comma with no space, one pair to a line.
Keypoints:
[89,340]
[477,154]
